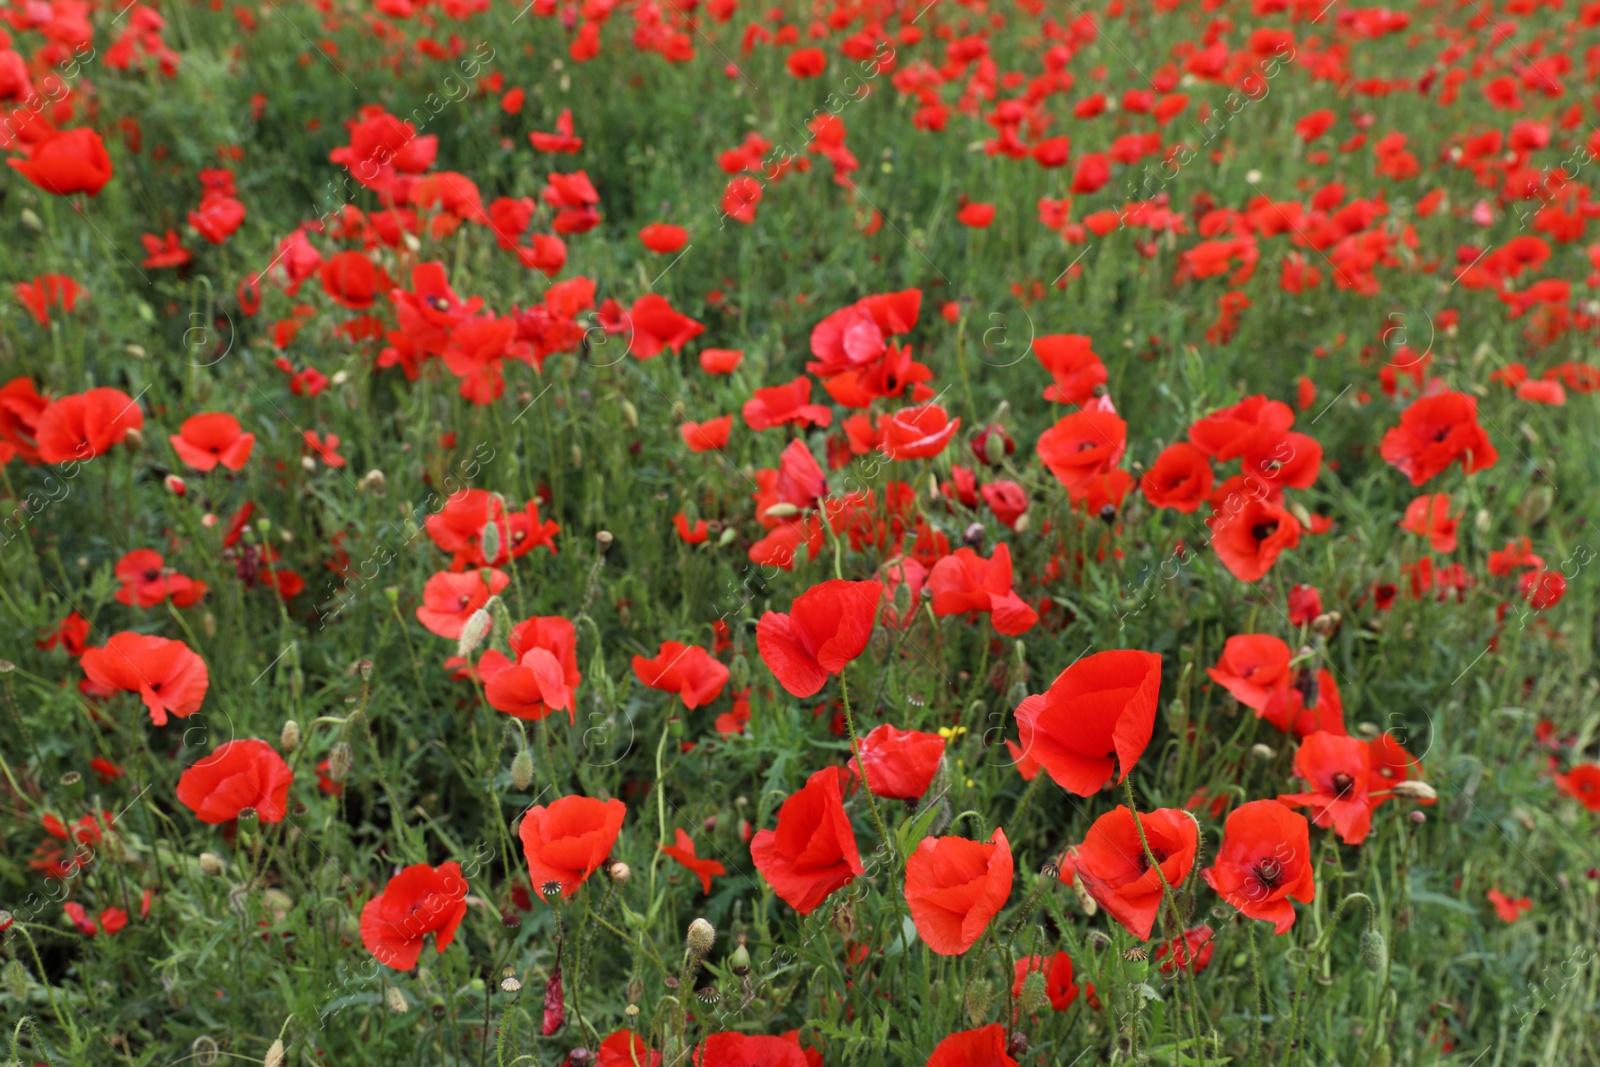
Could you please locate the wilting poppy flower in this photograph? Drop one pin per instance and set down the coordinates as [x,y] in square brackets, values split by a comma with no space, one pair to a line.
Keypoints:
[964,581]
[688,670]
[827,626]
[1338,770]
[1081,447]
[1429,516]
[1249,539]
[146,582]
[204,441]
[1057,971]
[1095,720]
[1582,783]
[917,433]
[812,852]
[1435,432]
[419,901]
[449,599]
[168,676]
[1115,870]
[1253,668]
[683,852]
[663,238]
[983,1047]
[1180,478]
[1265,859]
[544,676]
[1191,952]
[238,775]
[74,161]
[707,436]
[566,842]
[85,425]
[900,764]
[748,1050]
[955,886]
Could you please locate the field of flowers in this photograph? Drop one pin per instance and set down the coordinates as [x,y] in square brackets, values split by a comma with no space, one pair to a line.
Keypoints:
[661,532]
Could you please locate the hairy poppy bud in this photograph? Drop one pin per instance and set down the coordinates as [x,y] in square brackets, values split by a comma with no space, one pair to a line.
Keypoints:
[396,1000]
[135,442]
[1034,994]
[577,457]
[978,997]
[30,220]
[1017,1044]
[702,935]
[16,980]
[289,739]
[1374,953]
[136,351]
[473,631]
[739,672]
[275,1055]
[339,759]
[1262,752]
[212,864]
[522,771]
[781,511]
[1177,716]
[619,871]
[372,481]
[994,446]
[727,537]
[1021,527]
[1415,790]
[630,414]
[489,540]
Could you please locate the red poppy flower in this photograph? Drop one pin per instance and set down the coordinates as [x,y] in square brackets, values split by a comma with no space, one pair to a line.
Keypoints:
[827,626]
[560,141]
[683,852]
[351,280]
[1435,432]
[449,599]
[720,360]
[1253,426]
[1180,478]
[544,678]
[1338,770]
[1305,604]
[1429,516]
[812,852]
[419,901]
[1191,952]
[1007,500]
[656,326]
[800,479]
[664,238]
[748,1050]
[146,583]
[688,670]
[964,581]
[955,886]
[807,62]
[1250,538]
[1509,909]
[1254,668]
[1115,870]
[1542,589]
[238,775]
[45,292]
[566,842]
[983,1047]
[168,676]
[459,528]
[1095,720]
[1582,783]
[1075,369]
[73,161]
[1308,704]
[71,633]
[900,764]
[917,433]
[976,215]
[1083,446]
[204,441]
[781,405]
[707,436]
[324,448]
[1265,859]
[1058,983]
[85,425]
[624,1048]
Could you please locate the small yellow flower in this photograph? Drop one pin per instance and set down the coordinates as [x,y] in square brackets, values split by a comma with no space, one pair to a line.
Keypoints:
[950,733]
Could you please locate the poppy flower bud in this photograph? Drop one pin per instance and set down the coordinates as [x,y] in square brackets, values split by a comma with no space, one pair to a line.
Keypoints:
[135,441]
[1482,522]
[1418,817]
[781,511]
[30,221]
[1374,953]
[392,593]
[208,623]
[473,631]
[702,935]
[489,540]
[509,984]
[1415,790]
[1262,752]
[1017,1044]
[372,481]
[739,672]
[979,996]
[933,487]
[1177,716]
[275,1055]
[339,759]
[1034,995]
[974,535]
[212,864]
[1535,504]
[396,1000]
[364,668]
[522,771]
[175,485]
[1326,623]
[630,414]
[289,739]
[136,351]
[16,980]
[995,445]
[727,537]
[620,872]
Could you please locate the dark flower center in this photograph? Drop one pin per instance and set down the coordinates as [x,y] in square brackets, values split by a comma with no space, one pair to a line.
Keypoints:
[1269,872]
[1263,530]
[1342,782]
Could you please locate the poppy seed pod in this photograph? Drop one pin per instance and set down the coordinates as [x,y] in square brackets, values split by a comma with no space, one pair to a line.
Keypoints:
[619,871]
